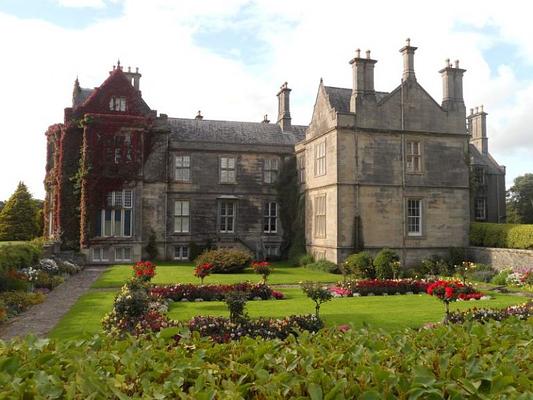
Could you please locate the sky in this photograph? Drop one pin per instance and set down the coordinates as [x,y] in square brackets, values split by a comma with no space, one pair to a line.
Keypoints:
[228,59]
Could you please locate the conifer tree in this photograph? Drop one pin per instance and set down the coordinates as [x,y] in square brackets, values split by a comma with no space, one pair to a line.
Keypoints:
[18,217]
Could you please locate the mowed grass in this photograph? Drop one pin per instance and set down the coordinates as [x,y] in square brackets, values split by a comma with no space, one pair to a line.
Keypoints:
[387,312]
[84,318]
[5,243]
[117,275]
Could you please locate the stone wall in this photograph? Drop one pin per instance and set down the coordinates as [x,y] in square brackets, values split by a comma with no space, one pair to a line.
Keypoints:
[501,258]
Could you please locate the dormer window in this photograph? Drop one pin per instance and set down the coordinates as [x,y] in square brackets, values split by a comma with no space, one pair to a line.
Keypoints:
[117,103]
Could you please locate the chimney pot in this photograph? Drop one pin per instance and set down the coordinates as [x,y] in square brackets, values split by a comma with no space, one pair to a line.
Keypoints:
[408,53]
[368,54]
[471,111]
[482,108]
[129,69]
[456,63]
[199,115]
[284,113]
[358,53]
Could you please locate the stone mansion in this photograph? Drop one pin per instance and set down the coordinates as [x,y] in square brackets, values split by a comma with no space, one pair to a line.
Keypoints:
[376,169]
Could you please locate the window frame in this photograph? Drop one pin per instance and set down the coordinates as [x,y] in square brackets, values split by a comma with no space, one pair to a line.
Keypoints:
[226,217]
[270,219]
[320,216]
[182,168]
[418,218]
[122,258]
[181,216]
[300,162]
[117,211]
[270,170]
[411,156]
[101,251]
[181,248]
[118,104]
[227,170]
[477,208]
[320,152]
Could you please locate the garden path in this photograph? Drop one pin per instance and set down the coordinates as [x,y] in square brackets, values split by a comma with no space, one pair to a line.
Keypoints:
[40,319]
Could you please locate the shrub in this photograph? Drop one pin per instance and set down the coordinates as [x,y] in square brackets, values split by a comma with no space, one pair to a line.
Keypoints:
[450,291]
[383,264]
[325,266]
[144,271]
[263,268]
[3,311]
[501,277]
[202,271]
[19,255]
[360,265]
[192,292]
[483,315]
[513,236]
[316,292]
[456,255]
[17,302]
[12,280]
[380,287]
[44,280]
[67,267]
[225,260]
[481,273]
[236,302]
[434,266]
[305,259]
[151,246]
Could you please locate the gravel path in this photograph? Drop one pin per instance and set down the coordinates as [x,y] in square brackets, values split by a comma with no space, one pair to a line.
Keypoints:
[40,319]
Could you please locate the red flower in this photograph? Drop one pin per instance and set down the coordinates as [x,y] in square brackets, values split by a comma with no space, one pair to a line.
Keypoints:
[449,292]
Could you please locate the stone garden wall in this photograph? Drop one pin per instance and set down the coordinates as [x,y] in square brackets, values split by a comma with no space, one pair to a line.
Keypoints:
[501,258]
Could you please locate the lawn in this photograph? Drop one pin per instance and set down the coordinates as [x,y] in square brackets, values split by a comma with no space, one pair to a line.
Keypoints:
[5,243]
[117,275]
[387,312]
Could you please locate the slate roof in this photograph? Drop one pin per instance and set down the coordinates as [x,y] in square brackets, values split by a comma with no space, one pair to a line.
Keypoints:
[202,130]
[479,159]
[82,95]
[339,98]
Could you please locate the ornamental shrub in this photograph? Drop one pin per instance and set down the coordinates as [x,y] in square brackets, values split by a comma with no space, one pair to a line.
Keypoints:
[202,271]
[360,265]
[318,293]
[225,260]
[236,302]
[305,259]
[501,277]
[17,302]
[19,255]
[434,266]
[263,268]
[512,236]
[383,263]
[325,266]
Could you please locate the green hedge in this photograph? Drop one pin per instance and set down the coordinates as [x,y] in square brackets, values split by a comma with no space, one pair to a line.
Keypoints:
[19,255]
[488,361]
[511,236]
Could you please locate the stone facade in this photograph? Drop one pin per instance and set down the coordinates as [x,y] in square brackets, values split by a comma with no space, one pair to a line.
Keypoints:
[377,170]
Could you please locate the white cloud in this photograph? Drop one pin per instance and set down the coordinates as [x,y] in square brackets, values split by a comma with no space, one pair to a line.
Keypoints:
[81,3]
[307,40]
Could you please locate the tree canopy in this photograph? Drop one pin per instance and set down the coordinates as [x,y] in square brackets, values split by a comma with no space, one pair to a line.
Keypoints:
[520,200]
[19,217]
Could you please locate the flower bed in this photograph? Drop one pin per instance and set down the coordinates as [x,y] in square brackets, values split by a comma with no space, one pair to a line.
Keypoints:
[191,292]
[222,330]
[378,287]
[522,312]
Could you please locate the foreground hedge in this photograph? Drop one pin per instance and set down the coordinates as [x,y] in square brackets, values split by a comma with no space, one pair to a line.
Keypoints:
[511,236]
[455,362]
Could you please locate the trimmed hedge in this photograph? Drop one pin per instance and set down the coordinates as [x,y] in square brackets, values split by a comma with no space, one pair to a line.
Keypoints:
[225,260]
[489,361]
[510,236]
[19,255]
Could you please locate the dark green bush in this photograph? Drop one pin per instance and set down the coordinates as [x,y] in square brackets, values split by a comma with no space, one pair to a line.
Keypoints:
[501,277]
[19,301]
[46,281]
[225,260]
[305,259]
[384,264]
[19,255]
[465,361]
[11,280]
[324,265]
[456,255]
[435,265]
[512,236]
[360,265]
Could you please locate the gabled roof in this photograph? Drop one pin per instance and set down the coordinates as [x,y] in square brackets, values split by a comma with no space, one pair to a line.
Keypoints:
[480,159]
[235,132]
[339,98]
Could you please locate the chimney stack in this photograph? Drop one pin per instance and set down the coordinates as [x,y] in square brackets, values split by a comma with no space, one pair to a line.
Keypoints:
[452,86]
[134,77]
[477,127]
[284,113]
[408,53]
[363,79]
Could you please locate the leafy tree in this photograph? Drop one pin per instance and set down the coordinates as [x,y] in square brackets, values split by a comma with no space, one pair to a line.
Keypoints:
[18,218]
[520,200]
[2,205]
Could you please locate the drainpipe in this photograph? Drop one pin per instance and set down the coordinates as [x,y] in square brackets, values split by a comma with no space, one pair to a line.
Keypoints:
[404,211]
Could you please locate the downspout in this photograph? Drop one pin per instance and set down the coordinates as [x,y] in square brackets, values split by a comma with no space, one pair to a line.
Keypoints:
[404,211]
[166,196]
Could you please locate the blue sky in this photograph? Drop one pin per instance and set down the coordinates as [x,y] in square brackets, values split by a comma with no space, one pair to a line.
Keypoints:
[228,58]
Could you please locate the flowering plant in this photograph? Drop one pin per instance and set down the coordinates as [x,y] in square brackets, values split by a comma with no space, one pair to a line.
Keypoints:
[464,269]
[144,270]
[263,268]
[203,270]
[449,291]
[191,292]
[316,292]
[364,287]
